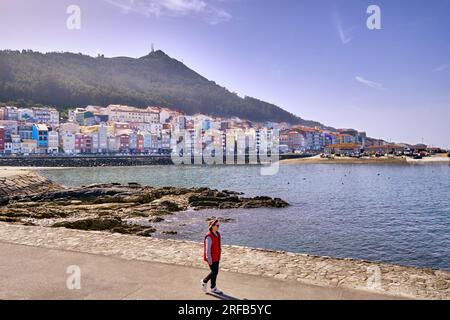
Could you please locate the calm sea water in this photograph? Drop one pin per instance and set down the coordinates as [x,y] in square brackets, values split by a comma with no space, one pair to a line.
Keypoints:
[392,213]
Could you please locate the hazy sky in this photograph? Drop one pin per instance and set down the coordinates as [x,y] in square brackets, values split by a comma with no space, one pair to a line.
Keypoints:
[315,58]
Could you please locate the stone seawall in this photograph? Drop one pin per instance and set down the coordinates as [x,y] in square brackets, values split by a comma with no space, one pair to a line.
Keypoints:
[100,160]
[84,161]
[25,183]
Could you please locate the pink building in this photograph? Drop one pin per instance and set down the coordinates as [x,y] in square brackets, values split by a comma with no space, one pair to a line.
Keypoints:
[124,142]
[79,143]
[296,140]
[2,139]
[140,143]
[87,144]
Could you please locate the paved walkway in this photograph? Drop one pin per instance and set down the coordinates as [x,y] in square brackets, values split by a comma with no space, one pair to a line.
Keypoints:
[28,272]
[303,269]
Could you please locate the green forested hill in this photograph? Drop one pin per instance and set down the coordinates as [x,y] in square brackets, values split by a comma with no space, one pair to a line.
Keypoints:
[67,80]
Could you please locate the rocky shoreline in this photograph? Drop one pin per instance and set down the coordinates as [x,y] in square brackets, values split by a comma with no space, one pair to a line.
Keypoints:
[98,219]
[22,183]
[35,200]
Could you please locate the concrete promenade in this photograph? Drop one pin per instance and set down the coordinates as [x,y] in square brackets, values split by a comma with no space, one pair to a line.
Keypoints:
[28,272]
[33,262]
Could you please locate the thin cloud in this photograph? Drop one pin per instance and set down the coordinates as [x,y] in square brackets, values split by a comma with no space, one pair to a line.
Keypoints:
[344,34]
[174,8]
[369,83]
[442,68]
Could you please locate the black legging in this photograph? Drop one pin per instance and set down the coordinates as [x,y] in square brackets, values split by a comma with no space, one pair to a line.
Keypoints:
[212,275]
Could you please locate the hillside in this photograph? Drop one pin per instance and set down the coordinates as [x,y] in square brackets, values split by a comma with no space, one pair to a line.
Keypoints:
[66,80]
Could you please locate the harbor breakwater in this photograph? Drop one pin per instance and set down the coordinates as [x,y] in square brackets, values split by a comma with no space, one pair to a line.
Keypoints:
[101,160]
[84,161]
[398,281]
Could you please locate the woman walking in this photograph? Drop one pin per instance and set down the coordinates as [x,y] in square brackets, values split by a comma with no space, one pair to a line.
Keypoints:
[211,254]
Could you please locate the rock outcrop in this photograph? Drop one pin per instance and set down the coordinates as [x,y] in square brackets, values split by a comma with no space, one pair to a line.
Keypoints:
[113,207]
[27,183]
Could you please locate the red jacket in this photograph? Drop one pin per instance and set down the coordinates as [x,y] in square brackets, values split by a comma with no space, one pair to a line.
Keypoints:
[216,249]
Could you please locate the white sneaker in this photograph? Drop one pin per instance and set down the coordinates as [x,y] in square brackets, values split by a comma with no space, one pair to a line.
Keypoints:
[216,291]
[204,286]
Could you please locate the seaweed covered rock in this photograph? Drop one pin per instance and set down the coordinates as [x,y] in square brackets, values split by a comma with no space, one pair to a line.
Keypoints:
[120,207]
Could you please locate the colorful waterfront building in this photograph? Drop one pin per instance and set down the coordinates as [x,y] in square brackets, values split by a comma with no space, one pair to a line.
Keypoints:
[53,142]
[296,140]
[11,113]
[28,146]
[139,143]
[49,116]
[25,131]
[123,142]
[15,144]
[79,143]
[131,114]
[25,115]
[40,134]
[11,127]
[67,142]
[345,138]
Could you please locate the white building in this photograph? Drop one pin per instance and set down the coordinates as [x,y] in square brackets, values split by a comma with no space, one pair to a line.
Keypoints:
[12,113]
[69,127]
[15,144]
[180,123]
[113,145]
[164,115]
[26,115]
[147,136]
[118,113]
[103,138]
[28,146]
[48,116]
[67,142]
[53,142]
[95,141]
[8,147]
[166,139]
[133,141]
[77,115]
[155,142]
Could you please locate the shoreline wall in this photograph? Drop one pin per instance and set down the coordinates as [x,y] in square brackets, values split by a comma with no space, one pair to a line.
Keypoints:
[99,160]
[84,161]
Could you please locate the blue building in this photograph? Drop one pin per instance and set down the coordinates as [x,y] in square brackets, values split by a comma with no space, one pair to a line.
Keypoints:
[40,134]
[207,124]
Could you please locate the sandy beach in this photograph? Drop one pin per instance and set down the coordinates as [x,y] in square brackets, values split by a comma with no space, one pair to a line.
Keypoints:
[381,160]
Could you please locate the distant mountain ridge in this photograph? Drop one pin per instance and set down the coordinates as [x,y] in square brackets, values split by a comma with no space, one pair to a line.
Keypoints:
[68,80]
